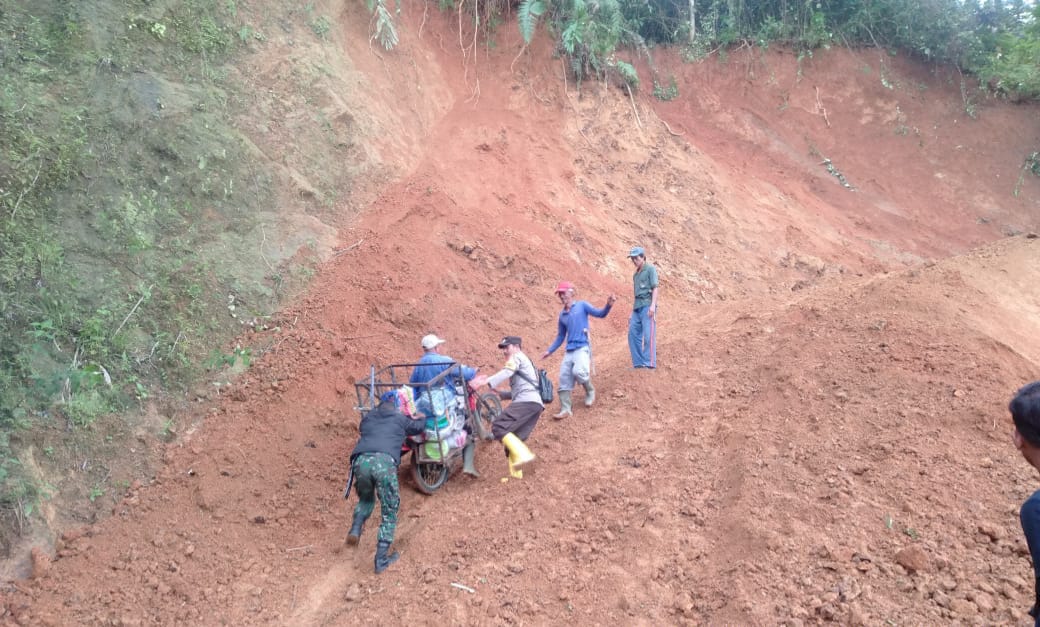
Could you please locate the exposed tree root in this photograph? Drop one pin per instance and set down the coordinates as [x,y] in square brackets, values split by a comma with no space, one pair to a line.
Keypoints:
[425,11]
[631,98]
[577,115]
[522,50]
[819,107]
[673,133]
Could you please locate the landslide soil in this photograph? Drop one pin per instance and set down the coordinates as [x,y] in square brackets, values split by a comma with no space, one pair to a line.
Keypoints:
[825,439]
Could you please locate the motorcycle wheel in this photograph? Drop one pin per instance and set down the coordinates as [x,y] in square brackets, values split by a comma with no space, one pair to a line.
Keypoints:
[428,476]
[488,410]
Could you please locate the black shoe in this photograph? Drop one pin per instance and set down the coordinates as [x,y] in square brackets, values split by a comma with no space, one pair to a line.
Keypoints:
[382,559]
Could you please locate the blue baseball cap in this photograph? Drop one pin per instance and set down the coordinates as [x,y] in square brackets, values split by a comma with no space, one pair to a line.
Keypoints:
[390,396]
[637,251]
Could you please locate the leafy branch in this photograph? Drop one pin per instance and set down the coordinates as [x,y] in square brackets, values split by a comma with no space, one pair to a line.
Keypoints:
[527,17]
[385,31]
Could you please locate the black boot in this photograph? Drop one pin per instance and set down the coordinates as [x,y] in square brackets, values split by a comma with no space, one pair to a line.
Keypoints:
[355,531]
[382,559]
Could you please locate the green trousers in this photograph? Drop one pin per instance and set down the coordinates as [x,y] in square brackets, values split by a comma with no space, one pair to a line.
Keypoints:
[375,474]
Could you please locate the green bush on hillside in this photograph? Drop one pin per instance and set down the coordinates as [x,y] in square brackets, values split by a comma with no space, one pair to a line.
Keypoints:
[114,138]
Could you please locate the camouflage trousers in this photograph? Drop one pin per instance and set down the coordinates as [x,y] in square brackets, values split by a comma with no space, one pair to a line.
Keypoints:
[375,475]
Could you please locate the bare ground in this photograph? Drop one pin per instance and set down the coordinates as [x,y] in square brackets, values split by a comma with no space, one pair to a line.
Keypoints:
[825,439]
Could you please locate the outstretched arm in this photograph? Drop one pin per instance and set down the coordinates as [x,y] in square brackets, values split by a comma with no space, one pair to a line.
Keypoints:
[412,426]
[601,313]
[466,372]
[494,380]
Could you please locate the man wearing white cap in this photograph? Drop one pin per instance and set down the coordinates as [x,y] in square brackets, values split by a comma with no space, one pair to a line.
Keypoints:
[436,402]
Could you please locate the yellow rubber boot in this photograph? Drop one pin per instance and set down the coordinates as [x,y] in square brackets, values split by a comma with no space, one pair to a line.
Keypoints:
[519,454]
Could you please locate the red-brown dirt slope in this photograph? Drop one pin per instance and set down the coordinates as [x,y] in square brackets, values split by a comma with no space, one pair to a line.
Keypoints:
[826,436]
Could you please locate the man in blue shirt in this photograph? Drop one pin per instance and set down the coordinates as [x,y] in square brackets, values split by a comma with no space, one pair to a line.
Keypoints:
[642,326]
[1025,412]
[573,327]
[438,401]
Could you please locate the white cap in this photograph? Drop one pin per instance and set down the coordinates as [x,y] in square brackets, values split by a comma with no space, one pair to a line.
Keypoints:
[431,340]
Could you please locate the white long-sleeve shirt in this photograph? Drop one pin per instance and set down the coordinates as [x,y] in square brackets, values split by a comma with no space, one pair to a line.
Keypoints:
[521,390]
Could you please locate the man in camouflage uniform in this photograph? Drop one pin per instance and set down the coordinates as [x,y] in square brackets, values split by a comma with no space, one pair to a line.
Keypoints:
[373,465]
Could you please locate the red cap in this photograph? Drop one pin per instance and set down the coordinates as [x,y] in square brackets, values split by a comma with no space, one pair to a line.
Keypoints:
[563,286]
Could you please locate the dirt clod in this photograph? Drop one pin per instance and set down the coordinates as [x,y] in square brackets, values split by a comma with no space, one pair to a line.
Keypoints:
[914,559]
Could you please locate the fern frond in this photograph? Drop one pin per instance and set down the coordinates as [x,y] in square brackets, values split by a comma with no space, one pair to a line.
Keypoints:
[527,17]
[571,37]
[577,68]
[628,74]
[385,30]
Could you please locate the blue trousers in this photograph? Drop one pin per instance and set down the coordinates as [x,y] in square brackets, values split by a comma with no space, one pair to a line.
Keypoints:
[642,338]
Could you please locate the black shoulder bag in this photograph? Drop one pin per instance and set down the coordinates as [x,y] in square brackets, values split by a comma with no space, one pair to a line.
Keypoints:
[544,383]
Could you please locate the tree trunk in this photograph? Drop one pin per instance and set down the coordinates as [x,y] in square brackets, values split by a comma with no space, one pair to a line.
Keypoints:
[693,20]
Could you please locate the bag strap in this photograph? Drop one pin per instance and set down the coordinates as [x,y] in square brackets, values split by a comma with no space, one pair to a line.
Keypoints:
[527,378]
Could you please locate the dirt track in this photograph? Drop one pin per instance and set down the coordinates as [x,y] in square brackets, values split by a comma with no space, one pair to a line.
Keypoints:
[826,438]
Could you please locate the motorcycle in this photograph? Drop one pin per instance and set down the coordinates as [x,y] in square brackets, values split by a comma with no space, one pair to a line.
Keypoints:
[437,456]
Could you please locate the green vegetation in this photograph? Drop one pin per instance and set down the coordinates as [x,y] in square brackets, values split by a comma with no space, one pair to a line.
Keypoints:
[1010,63]
[120,174]
[385,31]
[671,92]
[997,41]
[96,492]
[527,15]
[1032,163]
[320,24]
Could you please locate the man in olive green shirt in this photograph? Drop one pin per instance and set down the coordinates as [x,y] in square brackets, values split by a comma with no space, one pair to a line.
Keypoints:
[642,326]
